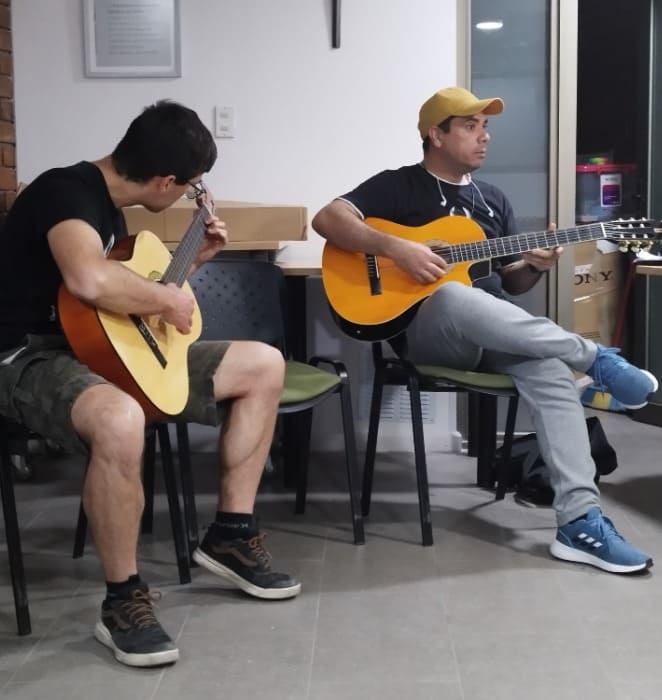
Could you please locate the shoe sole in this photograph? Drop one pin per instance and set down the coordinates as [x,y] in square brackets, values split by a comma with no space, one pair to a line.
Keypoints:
[156,658]
[266,593]
[652,391]
[562,551]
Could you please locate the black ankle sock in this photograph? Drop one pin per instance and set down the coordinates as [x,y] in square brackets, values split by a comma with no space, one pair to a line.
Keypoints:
[121,589]
[233,526]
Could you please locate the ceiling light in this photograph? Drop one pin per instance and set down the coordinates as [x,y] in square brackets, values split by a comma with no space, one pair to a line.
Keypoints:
[489,25]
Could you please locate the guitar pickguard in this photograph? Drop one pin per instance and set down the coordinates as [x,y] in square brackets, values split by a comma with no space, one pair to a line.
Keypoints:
[479,270]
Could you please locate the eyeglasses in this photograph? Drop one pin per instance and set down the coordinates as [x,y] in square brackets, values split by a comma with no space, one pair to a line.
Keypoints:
[195,190]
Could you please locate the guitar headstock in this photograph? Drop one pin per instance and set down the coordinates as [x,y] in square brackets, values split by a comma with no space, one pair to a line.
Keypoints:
[200,192]
[633,234]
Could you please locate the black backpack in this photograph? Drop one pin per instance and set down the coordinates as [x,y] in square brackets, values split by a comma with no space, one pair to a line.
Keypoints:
[529,475]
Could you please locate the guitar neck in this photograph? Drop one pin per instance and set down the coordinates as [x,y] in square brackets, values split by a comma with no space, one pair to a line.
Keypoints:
[184,255]
[520,243]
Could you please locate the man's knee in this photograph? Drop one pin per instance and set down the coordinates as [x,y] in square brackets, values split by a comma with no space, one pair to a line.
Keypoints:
[450,302]
[269,363]
[111,422]
[452,294]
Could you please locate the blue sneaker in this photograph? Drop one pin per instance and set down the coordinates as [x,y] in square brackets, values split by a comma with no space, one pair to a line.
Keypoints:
[597,396]
[594,540]
[625,382]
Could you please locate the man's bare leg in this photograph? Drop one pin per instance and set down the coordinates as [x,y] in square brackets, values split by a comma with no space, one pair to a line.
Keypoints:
[113,426]
[251,374]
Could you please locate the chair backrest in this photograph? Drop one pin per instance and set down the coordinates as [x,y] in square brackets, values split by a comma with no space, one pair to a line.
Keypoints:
[241,300]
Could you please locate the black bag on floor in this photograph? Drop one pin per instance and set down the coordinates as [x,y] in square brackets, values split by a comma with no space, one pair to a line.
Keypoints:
[530,475]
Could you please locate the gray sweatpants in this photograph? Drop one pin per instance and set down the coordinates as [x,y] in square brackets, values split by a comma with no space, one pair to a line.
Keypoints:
[467,328]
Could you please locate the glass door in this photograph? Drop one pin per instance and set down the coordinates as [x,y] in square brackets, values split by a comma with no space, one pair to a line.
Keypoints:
[510,58]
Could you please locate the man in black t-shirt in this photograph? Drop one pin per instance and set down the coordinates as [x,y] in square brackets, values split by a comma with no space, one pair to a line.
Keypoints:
[59,232]
[474,327]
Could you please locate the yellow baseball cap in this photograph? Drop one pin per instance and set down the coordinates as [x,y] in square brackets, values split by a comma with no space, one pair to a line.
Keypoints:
[454,102]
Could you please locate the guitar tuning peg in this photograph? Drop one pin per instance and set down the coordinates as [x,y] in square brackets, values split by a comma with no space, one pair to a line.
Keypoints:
[623,247]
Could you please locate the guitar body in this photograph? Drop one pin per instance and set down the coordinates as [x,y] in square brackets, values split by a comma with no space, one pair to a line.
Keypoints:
[114,346]
[372,299]
[368,313]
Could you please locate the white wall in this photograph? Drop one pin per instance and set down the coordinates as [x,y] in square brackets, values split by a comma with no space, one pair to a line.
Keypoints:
[311,121]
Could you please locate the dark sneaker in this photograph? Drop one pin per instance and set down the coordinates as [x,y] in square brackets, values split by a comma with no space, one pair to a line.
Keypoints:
[246,563]
[594,540]
[625,382]
[129,628]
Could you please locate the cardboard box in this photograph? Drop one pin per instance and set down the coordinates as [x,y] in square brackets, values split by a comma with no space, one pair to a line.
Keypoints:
[245,221]
[598,283]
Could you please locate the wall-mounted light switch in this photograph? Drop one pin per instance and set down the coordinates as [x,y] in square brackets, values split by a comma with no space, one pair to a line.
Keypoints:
[224,122]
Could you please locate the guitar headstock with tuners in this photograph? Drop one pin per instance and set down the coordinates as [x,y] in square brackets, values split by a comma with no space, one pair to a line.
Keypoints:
[201,194]
[633,234]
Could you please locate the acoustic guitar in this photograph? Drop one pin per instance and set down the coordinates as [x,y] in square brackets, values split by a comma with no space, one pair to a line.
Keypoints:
[142,355]
[373,299]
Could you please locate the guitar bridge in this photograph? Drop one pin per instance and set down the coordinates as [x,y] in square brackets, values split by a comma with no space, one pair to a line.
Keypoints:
[372,267]
[149,339]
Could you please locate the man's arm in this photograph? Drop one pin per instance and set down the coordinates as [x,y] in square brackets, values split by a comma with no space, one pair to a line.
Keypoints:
[522,275]
[341,225]
[110,285]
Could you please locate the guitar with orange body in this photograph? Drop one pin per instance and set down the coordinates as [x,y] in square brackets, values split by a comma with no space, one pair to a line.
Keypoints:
[373,299]
[143,356]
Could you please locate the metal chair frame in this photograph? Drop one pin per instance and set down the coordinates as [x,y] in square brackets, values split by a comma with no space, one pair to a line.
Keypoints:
[398,372]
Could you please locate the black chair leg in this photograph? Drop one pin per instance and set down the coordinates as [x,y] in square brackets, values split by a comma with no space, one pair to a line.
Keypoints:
[504,475]
[81,532]
[170,480]
[473,438]
[149,459]
[371,444]
[291,428]
[13,537]
[304,421]
[420,460]
[351,462]
[188,490]
[487,423]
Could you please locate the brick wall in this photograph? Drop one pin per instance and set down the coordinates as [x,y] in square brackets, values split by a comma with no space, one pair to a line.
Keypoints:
[7,130]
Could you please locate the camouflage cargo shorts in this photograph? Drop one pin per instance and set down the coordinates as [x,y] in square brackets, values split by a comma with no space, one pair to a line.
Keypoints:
[41,379]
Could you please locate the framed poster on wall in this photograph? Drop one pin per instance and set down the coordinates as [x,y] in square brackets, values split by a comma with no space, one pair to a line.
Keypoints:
[131,38]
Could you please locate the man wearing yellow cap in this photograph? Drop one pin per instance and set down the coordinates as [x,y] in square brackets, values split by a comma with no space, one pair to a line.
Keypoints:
[476,327]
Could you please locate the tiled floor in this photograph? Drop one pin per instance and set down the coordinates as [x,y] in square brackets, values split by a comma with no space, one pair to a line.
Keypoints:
[484,613]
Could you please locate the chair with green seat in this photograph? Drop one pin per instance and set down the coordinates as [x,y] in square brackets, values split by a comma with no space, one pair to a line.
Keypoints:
[244,299]
[484,389]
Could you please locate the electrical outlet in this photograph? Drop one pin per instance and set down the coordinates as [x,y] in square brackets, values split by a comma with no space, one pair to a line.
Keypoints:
[224,122]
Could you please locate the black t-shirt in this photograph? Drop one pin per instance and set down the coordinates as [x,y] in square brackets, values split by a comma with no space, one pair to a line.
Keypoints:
[29,277]
[411,196]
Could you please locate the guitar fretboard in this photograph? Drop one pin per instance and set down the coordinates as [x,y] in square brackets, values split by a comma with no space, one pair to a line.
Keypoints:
[184,255]
[520,243]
